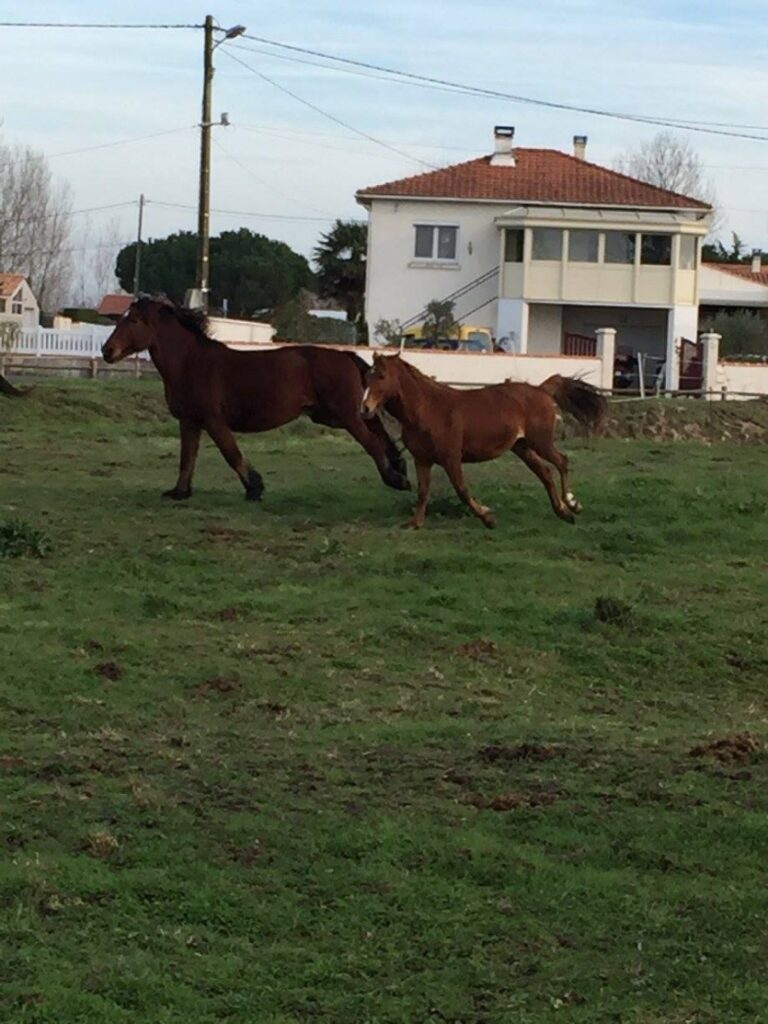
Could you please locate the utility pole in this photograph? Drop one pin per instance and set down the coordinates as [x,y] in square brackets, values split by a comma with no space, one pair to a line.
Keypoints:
[137,259]
[204,202]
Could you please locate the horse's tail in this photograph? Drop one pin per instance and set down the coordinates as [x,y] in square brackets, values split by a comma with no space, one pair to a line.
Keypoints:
[583,401]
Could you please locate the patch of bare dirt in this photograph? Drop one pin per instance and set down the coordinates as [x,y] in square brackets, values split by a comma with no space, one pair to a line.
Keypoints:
[9,762]
[215,532]
[229,614]
[740,746]
[108,670]
[217,684]
[480,650]
[512,801]
[521,752]
[250,855]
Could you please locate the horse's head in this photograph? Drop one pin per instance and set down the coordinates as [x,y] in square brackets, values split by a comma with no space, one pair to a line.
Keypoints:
[382,384]
[136,329]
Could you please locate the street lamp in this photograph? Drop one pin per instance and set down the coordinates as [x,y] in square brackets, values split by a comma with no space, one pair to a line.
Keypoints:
[198,296]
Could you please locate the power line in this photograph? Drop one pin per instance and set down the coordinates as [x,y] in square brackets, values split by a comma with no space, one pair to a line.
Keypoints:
[247,213]
[122,142]
[324,113]
[260,180]
[86,24]
[707,128]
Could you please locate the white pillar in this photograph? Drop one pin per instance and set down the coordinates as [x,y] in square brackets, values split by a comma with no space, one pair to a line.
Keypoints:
[711,352]
[682,322]
[512,322]
[606,353]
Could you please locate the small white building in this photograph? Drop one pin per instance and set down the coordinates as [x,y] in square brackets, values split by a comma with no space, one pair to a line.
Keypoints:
[18,304]
[540,247]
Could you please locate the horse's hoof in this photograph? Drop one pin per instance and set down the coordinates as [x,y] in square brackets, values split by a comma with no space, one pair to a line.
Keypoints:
[176,495]
[567,516]
[397,481]
[255,486]
[489,520]
[412,524]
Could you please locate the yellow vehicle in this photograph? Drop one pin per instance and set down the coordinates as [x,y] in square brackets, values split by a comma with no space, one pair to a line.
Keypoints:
[468,339]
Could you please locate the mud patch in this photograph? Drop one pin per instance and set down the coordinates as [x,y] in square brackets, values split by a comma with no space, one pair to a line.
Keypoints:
[214,532]
[521,752]
[480,650]
[512,801]
[108,670]
[740,747]
[217,684]
[228,614]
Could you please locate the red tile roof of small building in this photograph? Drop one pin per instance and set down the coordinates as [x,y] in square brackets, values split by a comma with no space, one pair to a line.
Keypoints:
[9,283]
[114,305]
[742,270]
[538,176]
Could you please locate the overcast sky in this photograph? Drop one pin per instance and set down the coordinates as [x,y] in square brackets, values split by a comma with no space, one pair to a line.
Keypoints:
[64,90]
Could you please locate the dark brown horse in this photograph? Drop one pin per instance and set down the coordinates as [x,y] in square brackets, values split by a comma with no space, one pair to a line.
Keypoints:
[213,388]
[446,427]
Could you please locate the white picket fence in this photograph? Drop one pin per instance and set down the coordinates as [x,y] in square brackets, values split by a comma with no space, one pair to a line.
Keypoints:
[48,341]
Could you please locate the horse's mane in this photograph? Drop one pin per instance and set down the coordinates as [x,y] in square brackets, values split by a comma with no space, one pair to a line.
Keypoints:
[418,376]
[193,320]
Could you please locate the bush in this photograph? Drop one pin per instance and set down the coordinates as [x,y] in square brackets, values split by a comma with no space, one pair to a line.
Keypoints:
[18,538]
[743,334]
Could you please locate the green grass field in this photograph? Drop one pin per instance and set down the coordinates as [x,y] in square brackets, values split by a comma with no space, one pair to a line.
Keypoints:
[291,763]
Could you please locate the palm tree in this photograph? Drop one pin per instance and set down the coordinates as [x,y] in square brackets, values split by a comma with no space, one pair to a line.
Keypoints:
[340,260]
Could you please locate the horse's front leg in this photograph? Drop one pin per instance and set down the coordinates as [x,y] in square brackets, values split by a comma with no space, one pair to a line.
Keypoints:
[455,473]
[225,441]
[190,443]
[424,477]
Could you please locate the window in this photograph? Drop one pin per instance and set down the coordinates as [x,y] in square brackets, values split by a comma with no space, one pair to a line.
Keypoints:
[656,250]
[582,246]
[17,305]
[688,252]
[619,247]
[513,245]
[435,242]
[547,244]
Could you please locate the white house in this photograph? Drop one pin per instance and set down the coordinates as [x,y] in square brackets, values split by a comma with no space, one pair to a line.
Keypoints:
[18,304]
[734,286]
[540,247]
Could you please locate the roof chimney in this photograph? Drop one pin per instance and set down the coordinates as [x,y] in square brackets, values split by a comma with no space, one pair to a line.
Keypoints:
[757,261]
[503,154]
[579,146]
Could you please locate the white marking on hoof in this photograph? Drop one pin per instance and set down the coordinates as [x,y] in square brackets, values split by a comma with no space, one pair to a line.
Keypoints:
[571,502]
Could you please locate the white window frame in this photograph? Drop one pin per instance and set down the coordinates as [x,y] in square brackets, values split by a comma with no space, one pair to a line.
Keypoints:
[434,259]
[17,304]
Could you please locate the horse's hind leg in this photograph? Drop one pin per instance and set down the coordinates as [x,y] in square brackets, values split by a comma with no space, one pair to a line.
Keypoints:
[547,450]
[536,464]
[225,441]
[190,443]
[455,473]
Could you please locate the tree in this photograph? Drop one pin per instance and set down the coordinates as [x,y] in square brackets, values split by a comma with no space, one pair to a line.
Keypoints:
[340,260]
[439,321]
[35,224]
[716,252]
[94,275]
[252,272]
[669,162]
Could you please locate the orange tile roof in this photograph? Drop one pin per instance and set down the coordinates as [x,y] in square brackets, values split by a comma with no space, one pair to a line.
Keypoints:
[539,176]
[9,283]
[114,305]
[742,270]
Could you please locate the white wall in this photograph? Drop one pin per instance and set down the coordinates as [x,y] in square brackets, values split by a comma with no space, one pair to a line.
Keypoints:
[472,369]
[545,329]
[743,378]
[237,333]
[399,287]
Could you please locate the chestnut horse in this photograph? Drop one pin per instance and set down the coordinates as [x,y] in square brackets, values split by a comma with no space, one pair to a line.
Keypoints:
[446,427]
[214,388]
